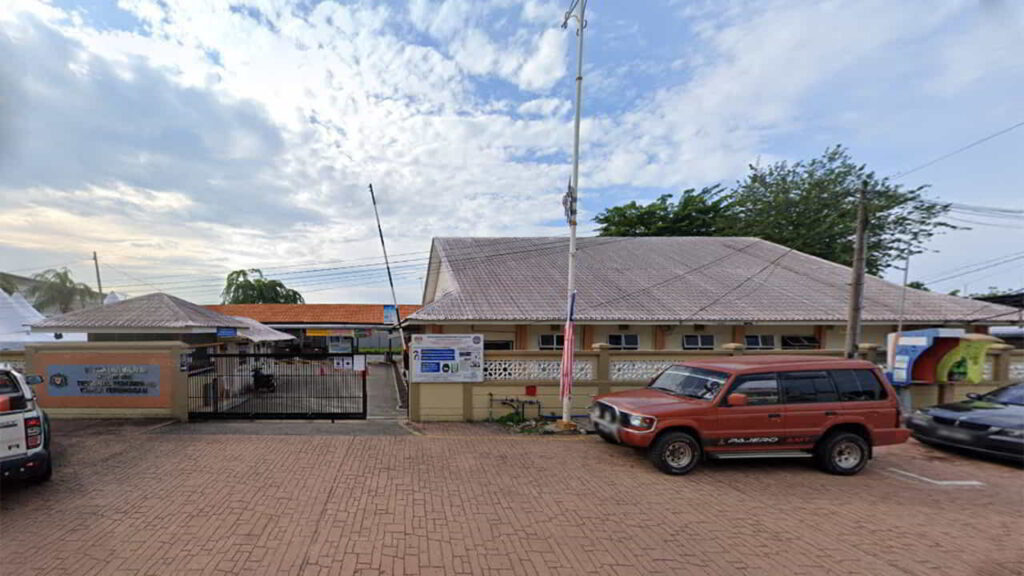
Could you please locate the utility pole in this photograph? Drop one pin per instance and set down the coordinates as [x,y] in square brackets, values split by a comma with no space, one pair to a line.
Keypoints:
[99,283]
[902,391]
[384,248]
[571,210]
[857,276]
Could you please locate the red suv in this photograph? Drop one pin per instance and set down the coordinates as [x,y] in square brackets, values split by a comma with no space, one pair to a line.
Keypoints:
[756,406]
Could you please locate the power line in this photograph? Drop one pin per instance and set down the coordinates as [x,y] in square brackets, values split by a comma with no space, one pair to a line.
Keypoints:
[973,264]
[957,151]
[975,270]
[774,262]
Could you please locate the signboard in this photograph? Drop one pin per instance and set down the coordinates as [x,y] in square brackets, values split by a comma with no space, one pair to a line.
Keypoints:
[447,358]
[390,314]
[227,332]
[329,332]
[103,380]
[357,363]
[911,346]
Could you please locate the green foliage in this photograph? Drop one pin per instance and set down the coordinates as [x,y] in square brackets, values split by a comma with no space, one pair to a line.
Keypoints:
[808,206]
[57,289]
[7,285]
[250,287]
[917,285]
[511,419]
[696,213]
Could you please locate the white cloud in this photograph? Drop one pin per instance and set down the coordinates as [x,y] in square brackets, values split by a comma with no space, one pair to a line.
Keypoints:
[218,138]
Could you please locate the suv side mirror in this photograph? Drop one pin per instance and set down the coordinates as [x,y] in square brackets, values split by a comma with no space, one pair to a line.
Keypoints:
[33,380]
[737,399]
[973,396]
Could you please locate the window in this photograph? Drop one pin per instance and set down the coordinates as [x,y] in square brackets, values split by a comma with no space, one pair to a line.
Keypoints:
[760,389]
[623,341]
[805,387]
[800,343]
[760,342]
[8,385]
[858,385]
[497,344]
[698,342]
[690,382]
[552,341]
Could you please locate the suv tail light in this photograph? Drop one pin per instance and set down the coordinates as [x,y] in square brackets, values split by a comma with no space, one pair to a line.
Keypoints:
[33,432]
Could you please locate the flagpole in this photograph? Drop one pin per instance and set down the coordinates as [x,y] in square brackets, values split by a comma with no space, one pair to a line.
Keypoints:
[572,208]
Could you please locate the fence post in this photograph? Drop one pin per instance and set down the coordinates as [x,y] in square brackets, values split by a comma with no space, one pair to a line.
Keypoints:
[868,352]
[1001,361]
[603,375]
[734,348]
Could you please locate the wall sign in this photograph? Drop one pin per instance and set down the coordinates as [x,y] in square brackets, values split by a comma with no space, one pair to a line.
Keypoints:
[447,358]
[103,380]
[227,332]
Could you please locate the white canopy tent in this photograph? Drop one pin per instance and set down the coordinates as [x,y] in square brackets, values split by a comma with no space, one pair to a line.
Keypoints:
[16,316]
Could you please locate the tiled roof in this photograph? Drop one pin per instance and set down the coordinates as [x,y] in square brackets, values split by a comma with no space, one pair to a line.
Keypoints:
[157,310]
[668,279]
[313,313]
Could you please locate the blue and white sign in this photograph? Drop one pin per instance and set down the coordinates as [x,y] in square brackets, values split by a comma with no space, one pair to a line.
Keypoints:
[227,332]
[446,358]
[103,380]
[390,314]
[911,345]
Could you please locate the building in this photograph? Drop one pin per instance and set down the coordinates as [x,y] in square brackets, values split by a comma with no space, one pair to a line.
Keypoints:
[315,325]
[668,293]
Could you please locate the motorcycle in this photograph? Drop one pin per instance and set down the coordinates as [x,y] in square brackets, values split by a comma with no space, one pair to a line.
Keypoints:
[263,382]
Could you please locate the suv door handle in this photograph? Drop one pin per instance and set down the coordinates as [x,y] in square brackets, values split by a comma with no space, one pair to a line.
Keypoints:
[775,415]
[830,412]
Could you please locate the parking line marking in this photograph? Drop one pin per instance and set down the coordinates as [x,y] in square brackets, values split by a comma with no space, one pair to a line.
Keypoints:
[938,482]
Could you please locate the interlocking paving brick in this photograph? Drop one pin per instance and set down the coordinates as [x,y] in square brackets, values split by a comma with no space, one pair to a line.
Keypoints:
[468,503]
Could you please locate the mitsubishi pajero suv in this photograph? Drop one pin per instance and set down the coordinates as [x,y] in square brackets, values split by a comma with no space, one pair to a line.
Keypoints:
[834,410]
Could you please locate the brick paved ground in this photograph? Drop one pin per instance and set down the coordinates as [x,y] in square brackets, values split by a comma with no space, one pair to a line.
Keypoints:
[126,501]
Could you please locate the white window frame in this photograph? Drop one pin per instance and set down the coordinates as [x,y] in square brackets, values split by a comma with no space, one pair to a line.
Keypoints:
[700,342]
[815,346]
[557,339]
[622,341]
[761,341]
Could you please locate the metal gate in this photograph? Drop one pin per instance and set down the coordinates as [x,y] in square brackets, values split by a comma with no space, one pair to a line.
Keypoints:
[320,386]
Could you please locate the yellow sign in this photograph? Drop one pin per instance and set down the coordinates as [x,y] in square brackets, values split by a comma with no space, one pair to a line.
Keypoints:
[326,332]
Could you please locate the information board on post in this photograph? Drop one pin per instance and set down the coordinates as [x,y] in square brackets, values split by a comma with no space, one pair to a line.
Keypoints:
[446,358]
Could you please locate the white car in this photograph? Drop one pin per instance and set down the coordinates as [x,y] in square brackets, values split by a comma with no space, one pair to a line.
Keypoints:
[24,430]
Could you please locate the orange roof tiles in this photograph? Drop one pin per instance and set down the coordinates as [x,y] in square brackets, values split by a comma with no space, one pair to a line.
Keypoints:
[313,313]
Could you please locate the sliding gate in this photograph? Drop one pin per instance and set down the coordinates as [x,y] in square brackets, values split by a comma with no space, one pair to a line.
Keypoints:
[320,386]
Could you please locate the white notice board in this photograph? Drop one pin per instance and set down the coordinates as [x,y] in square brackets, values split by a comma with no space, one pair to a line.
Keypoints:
[446,358]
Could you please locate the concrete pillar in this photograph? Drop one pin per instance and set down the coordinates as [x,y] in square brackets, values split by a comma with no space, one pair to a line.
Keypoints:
[603,375]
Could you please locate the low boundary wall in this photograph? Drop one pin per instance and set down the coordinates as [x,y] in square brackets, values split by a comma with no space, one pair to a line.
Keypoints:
[110,379]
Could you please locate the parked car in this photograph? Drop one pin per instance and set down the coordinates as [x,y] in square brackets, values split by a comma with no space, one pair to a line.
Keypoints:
[24,431]
[990,423]
[835,410]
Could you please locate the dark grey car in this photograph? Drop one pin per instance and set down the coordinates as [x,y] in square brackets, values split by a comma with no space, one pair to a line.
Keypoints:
[990,423]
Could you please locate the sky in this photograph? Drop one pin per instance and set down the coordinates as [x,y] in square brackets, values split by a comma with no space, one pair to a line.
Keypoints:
[182,139]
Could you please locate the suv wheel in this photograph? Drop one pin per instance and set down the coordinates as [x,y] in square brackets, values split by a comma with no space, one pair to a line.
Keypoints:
[676,453]
[843,453]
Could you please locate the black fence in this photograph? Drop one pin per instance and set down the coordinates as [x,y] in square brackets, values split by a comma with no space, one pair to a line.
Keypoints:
[320,386]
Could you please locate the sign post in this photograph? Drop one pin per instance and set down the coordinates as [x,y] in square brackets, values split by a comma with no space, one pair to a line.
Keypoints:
[446,358]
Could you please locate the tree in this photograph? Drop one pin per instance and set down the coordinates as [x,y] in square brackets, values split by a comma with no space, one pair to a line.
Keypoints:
[250,287]
[808,206]
[917,285]
[57,289]
[7,285]
[703,213]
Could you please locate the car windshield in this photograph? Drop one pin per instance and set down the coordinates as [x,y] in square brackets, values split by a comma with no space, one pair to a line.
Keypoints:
[690,382]
[1012,394]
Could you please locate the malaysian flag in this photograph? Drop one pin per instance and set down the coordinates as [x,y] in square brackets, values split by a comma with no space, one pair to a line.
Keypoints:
[565,383]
